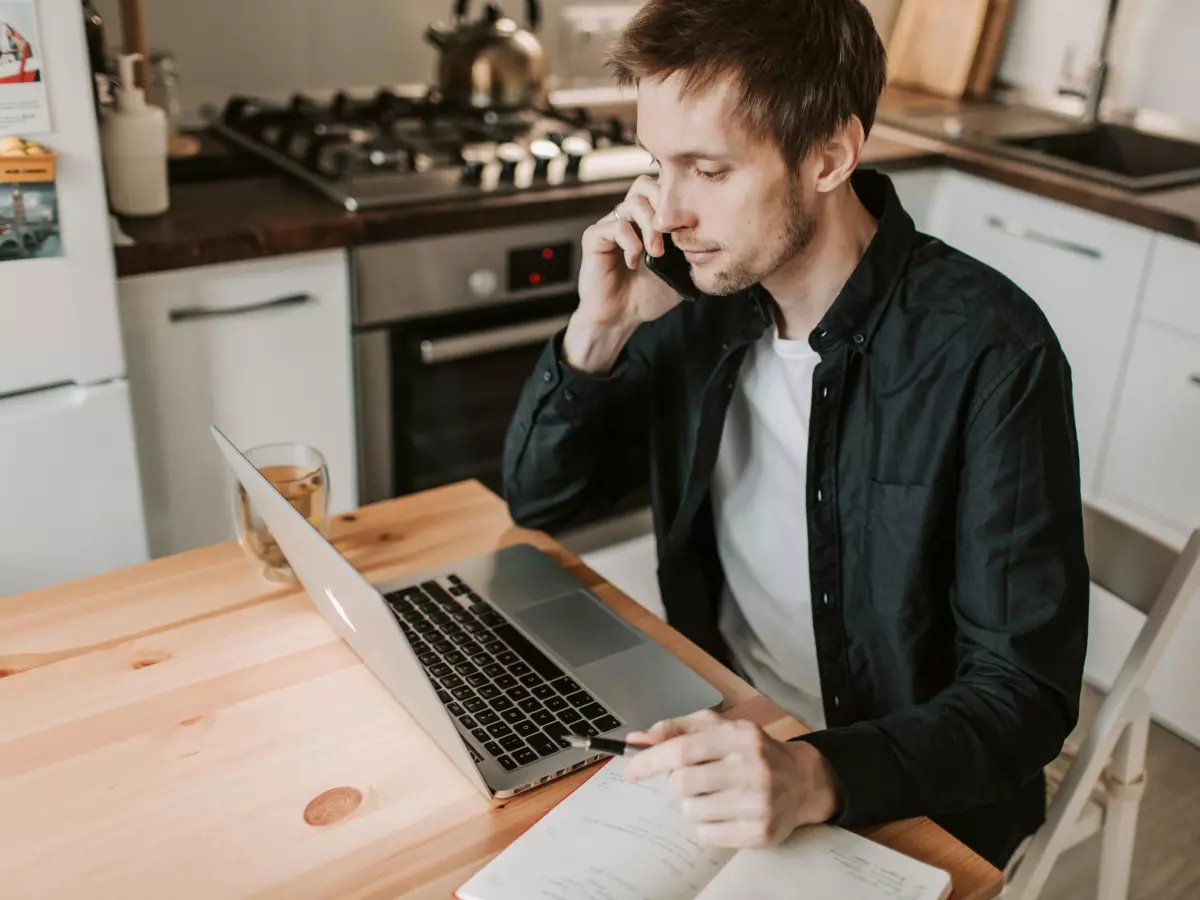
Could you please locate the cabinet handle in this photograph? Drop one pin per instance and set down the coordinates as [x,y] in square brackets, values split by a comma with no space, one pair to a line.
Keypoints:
[190,313]
[1013,229]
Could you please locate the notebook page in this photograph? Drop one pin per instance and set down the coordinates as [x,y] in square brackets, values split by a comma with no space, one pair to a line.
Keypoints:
[821,861]
[610,840]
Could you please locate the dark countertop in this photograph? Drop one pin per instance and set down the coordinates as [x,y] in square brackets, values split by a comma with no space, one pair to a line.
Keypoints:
[265,215]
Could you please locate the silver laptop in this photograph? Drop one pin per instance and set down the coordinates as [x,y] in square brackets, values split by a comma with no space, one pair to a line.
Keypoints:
[497,657]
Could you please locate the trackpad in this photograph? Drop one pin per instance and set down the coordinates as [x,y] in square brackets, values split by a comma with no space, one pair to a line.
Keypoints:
[579,628]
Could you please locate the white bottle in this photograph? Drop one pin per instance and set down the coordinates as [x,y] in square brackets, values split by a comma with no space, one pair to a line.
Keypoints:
[133,139]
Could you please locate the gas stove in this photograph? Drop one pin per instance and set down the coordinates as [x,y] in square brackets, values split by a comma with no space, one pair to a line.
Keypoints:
[390,148]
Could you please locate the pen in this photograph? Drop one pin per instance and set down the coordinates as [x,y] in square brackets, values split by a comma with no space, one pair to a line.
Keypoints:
[611,746]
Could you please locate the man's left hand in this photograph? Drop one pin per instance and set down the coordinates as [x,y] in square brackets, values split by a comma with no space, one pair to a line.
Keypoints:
[740,786]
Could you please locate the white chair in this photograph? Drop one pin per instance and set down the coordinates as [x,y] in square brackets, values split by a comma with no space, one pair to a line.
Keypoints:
[1096,785]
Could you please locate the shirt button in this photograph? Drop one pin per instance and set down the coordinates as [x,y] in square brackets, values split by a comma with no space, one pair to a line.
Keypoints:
[547,377]
[824,392]
[825,599]
[837,701]
[568,396]
[819,495]
[858,339]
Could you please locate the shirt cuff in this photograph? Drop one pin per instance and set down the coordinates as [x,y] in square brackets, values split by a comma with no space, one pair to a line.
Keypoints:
[869,779]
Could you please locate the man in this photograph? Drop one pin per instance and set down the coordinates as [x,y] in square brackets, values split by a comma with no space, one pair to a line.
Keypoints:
[859,444]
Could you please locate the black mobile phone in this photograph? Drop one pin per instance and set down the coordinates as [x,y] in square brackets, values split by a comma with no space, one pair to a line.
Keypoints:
[672,267]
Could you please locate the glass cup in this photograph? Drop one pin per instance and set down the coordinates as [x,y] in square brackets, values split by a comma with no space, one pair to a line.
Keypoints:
[301,474]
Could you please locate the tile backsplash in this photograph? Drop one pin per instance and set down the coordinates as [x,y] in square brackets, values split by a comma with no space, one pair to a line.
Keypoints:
[274,47]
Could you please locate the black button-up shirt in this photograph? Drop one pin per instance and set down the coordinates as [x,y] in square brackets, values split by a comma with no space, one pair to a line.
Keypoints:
[946,564]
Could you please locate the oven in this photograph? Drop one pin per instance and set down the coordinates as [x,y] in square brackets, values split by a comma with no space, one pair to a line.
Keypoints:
[447,330]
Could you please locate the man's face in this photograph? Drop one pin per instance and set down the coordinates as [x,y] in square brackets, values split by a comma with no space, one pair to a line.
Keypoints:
[727,199]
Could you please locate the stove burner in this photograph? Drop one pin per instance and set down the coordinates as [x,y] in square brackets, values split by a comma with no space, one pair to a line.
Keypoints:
[387,147]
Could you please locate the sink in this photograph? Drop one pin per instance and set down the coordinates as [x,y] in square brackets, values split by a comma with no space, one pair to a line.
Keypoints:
[1123,156]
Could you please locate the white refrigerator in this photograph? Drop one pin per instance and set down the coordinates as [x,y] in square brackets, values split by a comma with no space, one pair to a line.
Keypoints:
[70,499]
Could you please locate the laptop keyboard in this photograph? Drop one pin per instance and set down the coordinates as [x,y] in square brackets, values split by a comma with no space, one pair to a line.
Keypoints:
[509,695]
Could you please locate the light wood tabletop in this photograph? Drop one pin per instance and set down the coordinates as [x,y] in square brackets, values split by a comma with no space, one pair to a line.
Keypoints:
[185,728]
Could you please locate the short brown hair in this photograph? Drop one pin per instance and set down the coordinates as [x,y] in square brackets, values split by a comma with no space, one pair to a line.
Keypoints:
[803,67]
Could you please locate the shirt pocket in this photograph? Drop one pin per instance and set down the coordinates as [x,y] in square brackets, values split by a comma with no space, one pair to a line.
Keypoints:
[900,545]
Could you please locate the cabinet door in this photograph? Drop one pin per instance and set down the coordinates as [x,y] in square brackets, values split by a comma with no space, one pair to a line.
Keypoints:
[261,350]
[918,190]
[1173,286]
[1153,461]
[1083,270]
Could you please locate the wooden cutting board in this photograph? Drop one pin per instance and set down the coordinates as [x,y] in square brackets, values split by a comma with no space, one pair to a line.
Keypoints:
[934,43]
[991,45]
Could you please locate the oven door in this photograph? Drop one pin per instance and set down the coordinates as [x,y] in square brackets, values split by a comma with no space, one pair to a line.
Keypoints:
[437,394]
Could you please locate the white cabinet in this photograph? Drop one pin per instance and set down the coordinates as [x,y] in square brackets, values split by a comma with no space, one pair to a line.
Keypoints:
[1173,286]
[261,349]
[917,190]
[1084,270]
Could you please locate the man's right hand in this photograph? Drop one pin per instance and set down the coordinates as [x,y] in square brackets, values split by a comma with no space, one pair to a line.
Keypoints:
[617,293]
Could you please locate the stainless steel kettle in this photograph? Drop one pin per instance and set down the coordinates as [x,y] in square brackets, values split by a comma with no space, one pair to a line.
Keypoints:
[491,63]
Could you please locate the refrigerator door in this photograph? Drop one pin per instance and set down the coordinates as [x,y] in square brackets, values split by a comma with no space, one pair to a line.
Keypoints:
[70,500]
[58,315]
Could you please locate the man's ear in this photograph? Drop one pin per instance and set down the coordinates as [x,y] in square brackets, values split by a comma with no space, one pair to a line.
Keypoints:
[839,157]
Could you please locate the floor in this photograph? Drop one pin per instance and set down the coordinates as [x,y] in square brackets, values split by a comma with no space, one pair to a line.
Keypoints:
[1167,853]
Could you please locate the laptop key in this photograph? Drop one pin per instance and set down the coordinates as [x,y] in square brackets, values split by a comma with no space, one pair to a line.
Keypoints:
[605,724]
[469,723]
[490,618]
[429,658]
[493,748]
[455,709]
[507,657]
[580,698]
[584,729]
[459,637]
[530,704]
[442,646]
[508,764]
[513,716]
[419,646]
[542,744]
[443,696]
[488,691]
[477,680]
[525,727]
[570,716]
[474,704]
[453,657]
[494,646]
[458,590]
[436,591]
[501,703]
[451,681]
[465,668]
[556,703]
[525,756]
[499,729]
[474,627]
[542,716]
[593,711]
[542,691]
[462,693]
[505,681]
[458,614]
[564,685]
[494,669]
[437,670]
[517,692]
[486,717]
[423,627]
[479,734]
[481,659]
[532,679]
[558,733]
[519,668]
[512,742]
[470,648]
[454,579]
[537,660]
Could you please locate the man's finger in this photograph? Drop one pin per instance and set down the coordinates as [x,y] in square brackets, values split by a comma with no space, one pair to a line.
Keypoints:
[669,728]
[726,806]
[612,236]
[708,778]
[638,209]
[683,750]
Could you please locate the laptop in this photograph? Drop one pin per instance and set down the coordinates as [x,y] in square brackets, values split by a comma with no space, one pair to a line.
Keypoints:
[498,657]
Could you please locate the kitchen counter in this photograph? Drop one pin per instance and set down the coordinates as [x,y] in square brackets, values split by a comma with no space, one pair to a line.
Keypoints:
[184,728]
[251,217]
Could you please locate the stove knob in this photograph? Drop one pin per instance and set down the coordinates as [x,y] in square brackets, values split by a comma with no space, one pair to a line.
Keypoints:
[341,104]
[543,152]
[576,149]
[472,172]
[509,155]
[483,283]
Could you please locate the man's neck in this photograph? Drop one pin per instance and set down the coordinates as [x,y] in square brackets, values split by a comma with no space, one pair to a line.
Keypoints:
[805,287]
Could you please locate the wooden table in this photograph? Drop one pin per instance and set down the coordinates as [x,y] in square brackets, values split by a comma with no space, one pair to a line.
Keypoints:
[185,729]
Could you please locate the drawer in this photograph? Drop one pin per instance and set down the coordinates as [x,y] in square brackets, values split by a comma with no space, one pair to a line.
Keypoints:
[1173,288]
[1153,460]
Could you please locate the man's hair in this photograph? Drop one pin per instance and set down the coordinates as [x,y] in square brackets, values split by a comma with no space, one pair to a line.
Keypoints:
[802,67]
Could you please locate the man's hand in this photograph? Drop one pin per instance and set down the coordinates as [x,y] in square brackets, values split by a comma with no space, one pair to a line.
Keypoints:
[740,786]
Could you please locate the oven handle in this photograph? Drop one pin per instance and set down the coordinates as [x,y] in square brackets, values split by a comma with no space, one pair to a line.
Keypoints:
[492,341]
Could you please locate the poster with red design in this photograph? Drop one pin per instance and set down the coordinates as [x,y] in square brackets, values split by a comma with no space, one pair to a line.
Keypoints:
[23,106]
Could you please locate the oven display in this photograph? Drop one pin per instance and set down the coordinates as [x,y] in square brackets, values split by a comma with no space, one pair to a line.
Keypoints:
[538,266]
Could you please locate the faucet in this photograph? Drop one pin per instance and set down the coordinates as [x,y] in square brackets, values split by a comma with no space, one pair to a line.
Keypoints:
[1092,93]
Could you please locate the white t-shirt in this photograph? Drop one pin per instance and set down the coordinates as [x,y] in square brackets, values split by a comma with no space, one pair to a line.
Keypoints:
[760,507]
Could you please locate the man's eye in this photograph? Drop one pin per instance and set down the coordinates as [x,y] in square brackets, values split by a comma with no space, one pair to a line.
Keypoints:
[710,176]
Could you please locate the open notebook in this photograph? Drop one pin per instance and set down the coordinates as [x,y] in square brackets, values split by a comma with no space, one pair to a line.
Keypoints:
[618,840]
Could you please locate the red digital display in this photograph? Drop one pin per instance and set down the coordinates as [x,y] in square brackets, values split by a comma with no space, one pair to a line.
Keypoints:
[535,278]
[540,266]
[548,253]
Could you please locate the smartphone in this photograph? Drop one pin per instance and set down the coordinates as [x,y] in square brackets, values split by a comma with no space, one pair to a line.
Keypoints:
[672,267]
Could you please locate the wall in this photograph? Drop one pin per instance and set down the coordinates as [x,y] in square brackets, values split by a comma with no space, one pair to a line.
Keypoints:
[273,47]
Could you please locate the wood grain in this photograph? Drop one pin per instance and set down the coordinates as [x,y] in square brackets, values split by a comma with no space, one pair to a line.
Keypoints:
[185,729]
[990,49]
[933,44]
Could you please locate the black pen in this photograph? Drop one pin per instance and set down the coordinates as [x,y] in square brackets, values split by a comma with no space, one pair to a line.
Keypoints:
[611,746]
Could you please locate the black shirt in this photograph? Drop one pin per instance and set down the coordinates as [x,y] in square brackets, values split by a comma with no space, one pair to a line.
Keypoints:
[947,573]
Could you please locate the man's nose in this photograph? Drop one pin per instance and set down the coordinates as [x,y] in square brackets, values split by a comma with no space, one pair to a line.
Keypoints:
[669,213]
